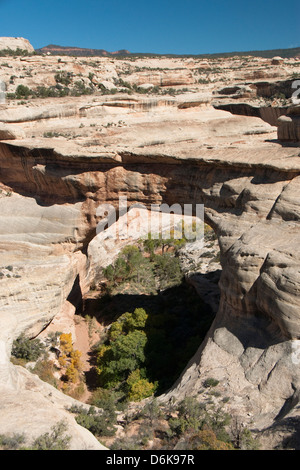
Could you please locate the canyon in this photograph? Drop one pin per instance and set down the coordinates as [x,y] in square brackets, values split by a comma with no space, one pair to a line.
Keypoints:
[219,132]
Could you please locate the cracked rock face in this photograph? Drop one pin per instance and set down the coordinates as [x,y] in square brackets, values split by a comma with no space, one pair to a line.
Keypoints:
[155,150]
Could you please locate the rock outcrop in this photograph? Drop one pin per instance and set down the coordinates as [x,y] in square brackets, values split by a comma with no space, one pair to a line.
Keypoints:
[8,132]
[289,125]
[15,43]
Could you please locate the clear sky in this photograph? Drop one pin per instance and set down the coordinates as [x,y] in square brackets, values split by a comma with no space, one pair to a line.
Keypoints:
[159,26]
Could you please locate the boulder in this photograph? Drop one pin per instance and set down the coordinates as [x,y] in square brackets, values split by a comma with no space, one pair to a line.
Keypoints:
[277,60]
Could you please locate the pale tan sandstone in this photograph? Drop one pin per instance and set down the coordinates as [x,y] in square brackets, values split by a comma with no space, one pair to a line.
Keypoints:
[15,43]
[9,132]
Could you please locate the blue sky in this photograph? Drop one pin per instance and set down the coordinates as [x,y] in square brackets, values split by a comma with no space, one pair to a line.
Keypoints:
[178,27]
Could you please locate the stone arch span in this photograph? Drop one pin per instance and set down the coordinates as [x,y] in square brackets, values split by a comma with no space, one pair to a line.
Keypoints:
[252,207]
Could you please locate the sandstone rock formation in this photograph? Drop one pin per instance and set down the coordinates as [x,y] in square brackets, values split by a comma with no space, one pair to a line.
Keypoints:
[16,43]
[277,60]
[10,132]
[289,125]
[81,152]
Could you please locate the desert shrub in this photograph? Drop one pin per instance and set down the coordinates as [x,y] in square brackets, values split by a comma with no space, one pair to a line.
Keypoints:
[151,412]
[23,91]
[45,370]
[99,423]
[77,391]
[247,441]
[64,78]
[168,271]
[205,439]
[190,417]
[210,382]
[107,399]
[27,349]
[15,52]
[11,442]
[138,387]
[126,443]
[44,92]
[200,426]
[54,440]
[80,89]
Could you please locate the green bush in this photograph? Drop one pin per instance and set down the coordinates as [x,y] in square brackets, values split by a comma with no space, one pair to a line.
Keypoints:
[99,423]
[64,78]
[23,91]
[27,349]
[210,382]
[168,271]
[45,371]
[191,417]
[11,442]
[133,266]
[80,89]
[15,52]
[55,440]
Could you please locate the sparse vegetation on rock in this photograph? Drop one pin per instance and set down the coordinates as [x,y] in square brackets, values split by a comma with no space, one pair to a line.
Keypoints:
[56,439]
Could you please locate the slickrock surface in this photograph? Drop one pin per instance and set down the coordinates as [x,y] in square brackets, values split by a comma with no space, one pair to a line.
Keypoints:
[211,140]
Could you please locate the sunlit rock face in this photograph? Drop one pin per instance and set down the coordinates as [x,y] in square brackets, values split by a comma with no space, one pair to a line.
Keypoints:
[16,43]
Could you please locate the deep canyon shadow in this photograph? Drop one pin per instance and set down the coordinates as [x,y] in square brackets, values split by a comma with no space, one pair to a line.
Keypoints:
[178,320]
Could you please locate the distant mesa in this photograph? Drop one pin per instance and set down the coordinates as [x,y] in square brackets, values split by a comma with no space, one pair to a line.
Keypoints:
[53,49]
[79,51]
